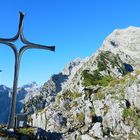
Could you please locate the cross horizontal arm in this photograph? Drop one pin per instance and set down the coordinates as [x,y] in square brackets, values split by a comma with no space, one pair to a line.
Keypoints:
[11,46]
[2,40]
[34,45]
[20,26]
[24,48]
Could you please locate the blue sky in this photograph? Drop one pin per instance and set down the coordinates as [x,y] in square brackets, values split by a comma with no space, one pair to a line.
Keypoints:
[76,27]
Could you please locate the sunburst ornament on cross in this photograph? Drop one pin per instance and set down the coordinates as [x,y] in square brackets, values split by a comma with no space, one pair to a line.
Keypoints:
[18,55]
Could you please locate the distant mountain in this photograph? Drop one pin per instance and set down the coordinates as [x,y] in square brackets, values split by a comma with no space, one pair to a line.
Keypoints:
[30,85]
[24,94]
[5,95]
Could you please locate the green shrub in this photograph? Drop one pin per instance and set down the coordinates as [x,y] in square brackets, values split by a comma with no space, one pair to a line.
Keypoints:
[80,117]
[95,79]
[68,95]
[132,117]
[105,80]
[124,71]
[71,95]
[102,63]
[104,58]
[90,79]
[74,104]
[137,72]
[128,113]
[67,106]
[39,110]
[1,126]
[92,113]
[26,131]
[137,123]
[99,96]
[76,95]
[2,132]
[58,98]
[133,136]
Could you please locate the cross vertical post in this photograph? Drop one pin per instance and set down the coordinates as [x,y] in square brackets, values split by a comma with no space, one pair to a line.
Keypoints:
[18,55]
[0,77]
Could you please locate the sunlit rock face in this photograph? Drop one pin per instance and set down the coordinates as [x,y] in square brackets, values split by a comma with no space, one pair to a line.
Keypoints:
[101,93]
[122,45]
[125,42]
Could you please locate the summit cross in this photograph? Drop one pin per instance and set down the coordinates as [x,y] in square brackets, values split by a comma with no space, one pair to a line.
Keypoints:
[18,55]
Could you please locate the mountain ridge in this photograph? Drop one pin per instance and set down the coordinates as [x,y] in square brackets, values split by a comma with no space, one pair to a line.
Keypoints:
[94,98]
[102,94]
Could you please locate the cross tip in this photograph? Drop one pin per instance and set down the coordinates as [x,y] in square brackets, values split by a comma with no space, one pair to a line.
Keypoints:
[22,13]
[53,48]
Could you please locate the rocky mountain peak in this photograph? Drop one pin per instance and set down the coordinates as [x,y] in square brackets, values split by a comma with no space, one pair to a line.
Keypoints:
[125,41]
[3,88]
[30,85]
[69,67]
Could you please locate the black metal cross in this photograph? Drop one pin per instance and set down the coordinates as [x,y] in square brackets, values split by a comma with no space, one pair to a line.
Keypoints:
[18,55]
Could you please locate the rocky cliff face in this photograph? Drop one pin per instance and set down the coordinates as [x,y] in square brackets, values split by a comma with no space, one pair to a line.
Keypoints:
[99,99]
[53,86]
